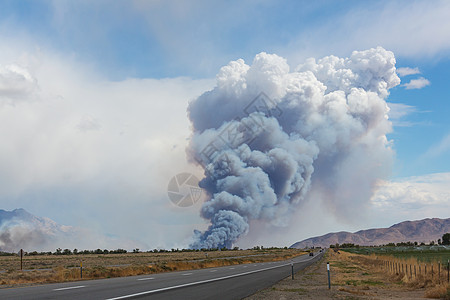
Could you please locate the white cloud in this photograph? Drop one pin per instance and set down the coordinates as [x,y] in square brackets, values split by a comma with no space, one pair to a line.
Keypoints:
[399,110]
[415,197]
[16,84]
[419,83]
[88,123]
[407,71]
[98,154]
[408,28]
[397,113]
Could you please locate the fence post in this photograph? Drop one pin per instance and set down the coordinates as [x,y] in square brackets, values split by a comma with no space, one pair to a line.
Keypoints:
[329,281]
[292,269]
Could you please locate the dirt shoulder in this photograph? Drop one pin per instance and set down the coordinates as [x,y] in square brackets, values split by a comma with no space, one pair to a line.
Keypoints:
[350,279]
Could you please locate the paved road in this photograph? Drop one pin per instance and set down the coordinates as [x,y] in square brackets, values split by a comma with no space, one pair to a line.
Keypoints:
[231,282]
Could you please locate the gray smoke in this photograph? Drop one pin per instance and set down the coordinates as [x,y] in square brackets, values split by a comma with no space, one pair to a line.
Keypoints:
[267,136]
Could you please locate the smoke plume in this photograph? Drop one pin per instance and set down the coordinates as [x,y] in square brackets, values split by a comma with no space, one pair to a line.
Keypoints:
[267,137]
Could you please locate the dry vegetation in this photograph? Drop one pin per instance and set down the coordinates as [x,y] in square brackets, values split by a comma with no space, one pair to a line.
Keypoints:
[355,276]
[51,268]
[362,275]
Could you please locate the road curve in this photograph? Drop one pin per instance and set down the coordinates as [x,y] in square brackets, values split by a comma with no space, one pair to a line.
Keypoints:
[230,282]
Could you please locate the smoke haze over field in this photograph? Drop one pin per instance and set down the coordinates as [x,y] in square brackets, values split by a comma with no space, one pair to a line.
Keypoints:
[268,137]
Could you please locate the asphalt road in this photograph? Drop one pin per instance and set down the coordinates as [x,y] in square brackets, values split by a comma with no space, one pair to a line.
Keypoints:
[231,282]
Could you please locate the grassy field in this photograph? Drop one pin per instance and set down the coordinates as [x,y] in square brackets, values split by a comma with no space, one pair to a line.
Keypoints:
[424,267]
[58,268]
[355,276]
[425,254]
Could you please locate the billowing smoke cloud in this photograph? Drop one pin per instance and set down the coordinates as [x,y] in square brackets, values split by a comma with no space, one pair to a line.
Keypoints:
[267,137]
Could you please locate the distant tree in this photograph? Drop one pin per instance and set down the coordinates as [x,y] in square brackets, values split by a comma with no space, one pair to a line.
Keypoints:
[432,243]
[67,252]
[75,251]
[446,239]
[439,242]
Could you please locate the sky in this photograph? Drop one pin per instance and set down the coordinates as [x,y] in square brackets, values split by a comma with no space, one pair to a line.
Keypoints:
[94,98]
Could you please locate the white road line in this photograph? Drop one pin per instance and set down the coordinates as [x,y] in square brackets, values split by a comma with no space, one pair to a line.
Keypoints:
[69,288]
[244,266]
[231,268]
[185,274]
[213,270]
[148,278]
[195,283]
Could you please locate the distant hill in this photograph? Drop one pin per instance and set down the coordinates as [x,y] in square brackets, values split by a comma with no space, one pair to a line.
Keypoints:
[415,231]
[20,229]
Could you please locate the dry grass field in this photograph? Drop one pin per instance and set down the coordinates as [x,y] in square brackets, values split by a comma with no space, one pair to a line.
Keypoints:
[59,268]
[355,276]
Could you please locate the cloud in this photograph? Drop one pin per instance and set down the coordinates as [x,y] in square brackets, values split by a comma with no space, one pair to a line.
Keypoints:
[16,84]
[281,135]
[88,123]
[397,111]
[416,83]
[412,29]
[407,71]
[95,153]
[413,197]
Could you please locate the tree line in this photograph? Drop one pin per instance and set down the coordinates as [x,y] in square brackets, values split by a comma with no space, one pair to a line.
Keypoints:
[444,241]
[60,251]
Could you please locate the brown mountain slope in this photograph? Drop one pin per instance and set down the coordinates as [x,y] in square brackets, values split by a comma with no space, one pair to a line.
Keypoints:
[415,231]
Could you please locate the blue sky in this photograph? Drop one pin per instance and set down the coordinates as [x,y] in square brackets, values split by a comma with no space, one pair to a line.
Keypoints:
[95,50]
[153,39]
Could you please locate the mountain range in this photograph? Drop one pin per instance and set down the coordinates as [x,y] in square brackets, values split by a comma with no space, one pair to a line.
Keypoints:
[20,229]
[409,231]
